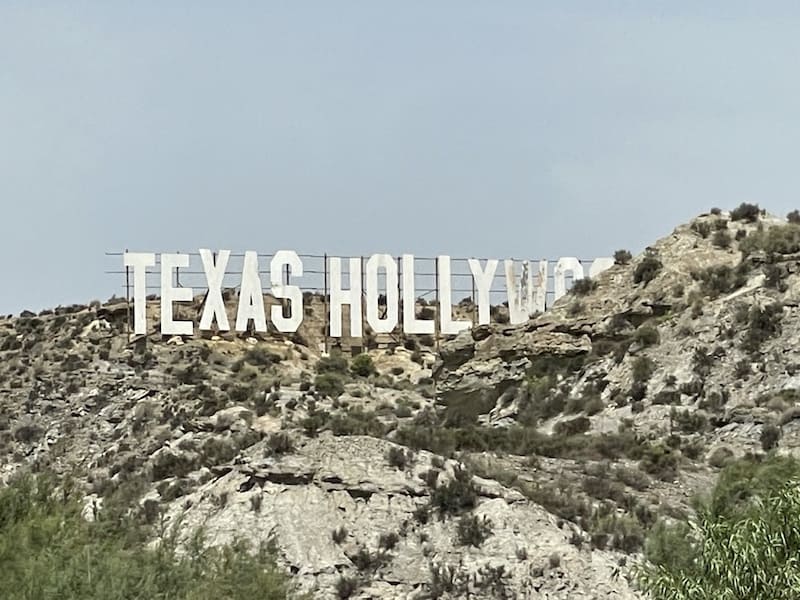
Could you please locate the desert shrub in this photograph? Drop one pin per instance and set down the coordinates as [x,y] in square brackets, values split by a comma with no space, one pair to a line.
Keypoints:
[581,287]
[721,239]
[364,560]
[669,543]
[763,323]
[720,279]
[387,541]
[660,462]
[746,212]
[346,586]
[622,257]
[793,217]
[339,535]
[398,457]
[721,457]
[702,361]
[701,228]
[49,551]
[572,426]
[770,435]
[776,240]
[329,384]
[261,357]
[647,335]
[280,443]
[647,269]
[335,363]
[688,421]
[667,396]
[457,494]
[363,366]
[472,531]
[356,421]
[642,369]
[775,277]
[315,421]
[621,533]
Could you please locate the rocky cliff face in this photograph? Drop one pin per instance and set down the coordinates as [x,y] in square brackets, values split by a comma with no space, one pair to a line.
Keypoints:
[519,462]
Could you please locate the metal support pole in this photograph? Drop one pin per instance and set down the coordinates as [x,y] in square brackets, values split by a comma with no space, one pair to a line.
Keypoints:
[399,294]
[437,312]
[326,318]
[284,301]
[474,304]
[128,297]
[363,298]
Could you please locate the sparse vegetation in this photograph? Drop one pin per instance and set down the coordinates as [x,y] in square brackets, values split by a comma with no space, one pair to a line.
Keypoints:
[362,366]
[473,531]
[647,269]
[581,287]
[746,212]
[49,551]
[622,257]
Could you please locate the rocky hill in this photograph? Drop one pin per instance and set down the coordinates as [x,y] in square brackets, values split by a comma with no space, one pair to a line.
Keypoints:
[518,462]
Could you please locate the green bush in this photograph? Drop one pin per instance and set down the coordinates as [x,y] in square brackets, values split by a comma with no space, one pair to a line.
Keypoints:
[363,366]
[743,544]
[642,369]
[261,357]
[763,323]
[49,551]
[647,269]
[329,384]
[335,363]
[661,462]
[472,531]
[770,435]
[572,426]
[581,287]
[746,212]
[721,239]
[357,421]
[701,228]
[720,279]
[776,240]
[457,494]
[622,257]
[647,335]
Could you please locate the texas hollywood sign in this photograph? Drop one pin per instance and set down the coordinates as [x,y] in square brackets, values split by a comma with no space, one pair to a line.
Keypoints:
[382,306]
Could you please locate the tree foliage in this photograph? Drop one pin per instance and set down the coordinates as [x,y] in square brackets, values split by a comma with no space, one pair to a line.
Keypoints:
[744,543]
[48,550]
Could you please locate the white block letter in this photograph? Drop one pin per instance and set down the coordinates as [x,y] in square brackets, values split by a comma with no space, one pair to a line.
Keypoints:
[599,265]
[446,323]
[411,324]
[389,322]
[280,290]
[520,296]
[540,291]
[139,261]
[562,266]
[483,284]
[340,297]
[251,296]
[171,294]
[214,305]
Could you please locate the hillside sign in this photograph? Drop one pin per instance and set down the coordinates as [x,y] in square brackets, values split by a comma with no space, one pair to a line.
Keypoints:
[526,295]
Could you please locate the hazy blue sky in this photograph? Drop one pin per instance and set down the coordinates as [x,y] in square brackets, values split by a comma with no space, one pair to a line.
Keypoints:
[503,129]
